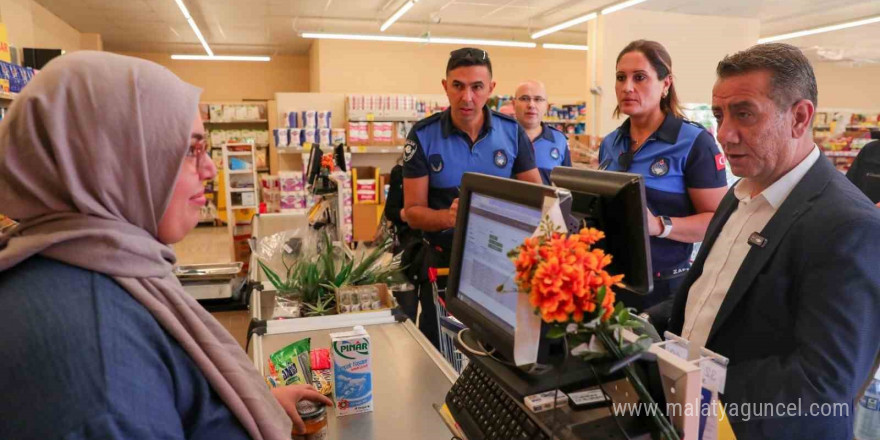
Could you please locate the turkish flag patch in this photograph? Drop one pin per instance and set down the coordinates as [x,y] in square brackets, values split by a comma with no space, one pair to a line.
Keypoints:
[720,162]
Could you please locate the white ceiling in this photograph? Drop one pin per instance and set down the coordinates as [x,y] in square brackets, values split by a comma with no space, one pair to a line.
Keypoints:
[272,26]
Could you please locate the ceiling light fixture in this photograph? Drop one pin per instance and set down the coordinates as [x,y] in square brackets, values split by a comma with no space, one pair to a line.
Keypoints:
[565,46]
[820,30]
[565,25]
[220,58]
[585,18]
[429,39]
[619,6]
[406,7]
[210,54]
[193,25]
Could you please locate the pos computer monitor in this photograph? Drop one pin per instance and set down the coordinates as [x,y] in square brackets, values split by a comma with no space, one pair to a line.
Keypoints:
[495,215]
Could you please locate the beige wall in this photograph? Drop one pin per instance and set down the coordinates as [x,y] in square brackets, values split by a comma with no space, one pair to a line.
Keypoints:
[30,25]
[377,67]
[314,68]
[696,44]
[238,80]
[848,87]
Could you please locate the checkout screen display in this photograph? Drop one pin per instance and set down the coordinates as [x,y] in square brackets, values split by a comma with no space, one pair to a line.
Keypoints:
[494,228]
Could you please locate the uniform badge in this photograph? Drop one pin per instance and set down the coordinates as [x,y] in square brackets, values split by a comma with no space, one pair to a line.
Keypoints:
[554,153]
[500,158]
[409,150]
[435,161]
[660,167]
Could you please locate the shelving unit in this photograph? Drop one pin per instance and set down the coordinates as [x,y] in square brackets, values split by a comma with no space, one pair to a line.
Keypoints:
[241,187]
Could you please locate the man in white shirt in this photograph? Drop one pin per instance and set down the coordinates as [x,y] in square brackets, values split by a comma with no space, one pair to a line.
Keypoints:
[787,282]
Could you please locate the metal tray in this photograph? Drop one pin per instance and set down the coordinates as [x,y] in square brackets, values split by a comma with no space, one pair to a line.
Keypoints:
[208,272]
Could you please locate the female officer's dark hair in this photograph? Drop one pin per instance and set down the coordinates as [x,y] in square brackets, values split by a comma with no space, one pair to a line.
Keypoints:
[662,63]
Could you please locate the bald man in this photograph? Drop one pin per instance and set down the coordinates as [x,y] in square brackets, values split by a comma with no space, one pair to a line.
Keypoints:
[551,145]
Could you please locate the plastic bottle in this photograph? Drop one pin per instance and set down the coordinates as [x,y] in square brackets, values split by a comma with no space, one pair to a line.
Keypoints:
[867,425]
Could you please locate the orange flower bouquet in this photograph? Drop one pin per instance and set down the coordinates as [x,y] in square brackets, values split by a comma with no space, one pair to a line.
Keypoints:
[567,283]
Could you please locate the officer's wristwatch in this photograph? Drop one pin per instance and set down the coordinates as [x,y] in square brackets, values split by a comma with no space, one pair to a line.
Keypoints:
[667,226]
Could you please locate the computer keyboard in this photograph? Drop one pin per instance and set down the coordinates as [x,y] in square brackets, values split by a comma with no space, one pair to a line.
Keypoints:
[485,411]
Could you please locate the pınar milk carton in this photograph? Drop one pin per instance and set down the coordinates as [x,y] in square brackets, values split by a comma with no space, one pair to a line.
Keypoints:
[352,372]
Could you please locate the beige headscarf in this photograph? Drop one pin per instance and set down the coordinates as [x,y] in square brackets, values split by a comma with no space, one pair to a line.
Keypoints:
[89,156]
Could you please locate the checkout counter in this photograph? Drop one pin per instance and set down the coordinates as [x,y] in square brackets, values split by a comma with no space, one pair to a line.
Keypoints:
[410,377]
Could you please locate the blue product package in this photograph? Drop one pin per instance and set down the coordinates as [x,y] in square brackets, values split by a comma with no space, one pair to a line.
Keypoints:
[281,137]
[237,164]
[14,79]
[324,119]
[352,372]
[292,120]
[309,119]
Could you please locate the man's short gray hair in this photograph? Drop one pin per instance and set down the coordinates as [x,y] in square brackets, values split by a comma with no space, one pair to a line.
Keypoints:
[791,75]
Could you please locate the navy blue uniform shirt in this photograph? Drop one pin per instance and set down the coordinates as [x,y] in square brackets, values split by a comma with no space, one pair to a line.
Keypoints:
[551,151]
[439,150]
[678,156]
[82,359]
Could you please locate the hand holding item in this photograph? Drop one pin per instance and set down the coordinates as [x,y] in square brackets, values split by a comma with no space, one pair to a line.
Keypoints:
[288,396]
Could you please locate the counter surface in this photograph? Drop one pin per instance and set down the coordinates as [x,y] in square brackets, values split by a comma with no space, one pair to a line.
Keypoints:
[409,376]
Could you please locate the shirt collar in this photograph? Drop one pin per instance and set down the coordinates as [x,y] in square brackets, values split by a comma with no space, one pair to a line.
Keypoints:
[776,193]
[449,127]
[545,132]
[667,132]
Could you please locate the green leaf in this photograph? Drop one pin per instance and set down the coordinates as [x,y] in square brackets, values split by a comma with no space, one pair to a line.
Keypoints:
[555,332]
[600,297]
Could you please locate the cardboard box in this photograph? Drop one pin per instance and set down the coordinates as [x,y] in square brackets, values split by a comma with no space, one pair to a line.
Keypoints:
[385,299]
[365,173]
[365,220]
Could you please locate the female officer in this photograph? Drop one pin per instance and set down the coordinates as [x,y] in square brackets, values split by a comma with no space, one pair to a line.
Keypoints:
[683,169]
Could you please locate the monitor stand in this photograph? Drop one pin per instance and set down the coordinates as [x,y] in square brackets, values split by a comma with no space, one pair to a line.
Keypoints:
[573,374]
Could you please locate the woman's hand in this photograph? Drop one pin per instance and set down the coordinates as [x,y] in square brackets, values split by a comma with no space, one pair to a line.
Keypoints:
[289,395]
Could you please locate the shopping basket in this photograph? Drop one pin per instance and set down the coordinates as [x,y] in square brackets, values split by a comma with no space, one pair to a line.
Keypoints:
[448,325]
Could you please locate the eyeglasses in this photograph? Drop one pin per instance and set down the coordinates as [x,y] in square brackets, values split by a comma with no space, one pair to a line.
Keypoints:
[525,99]
[625,160]
[466,52]
[198,148]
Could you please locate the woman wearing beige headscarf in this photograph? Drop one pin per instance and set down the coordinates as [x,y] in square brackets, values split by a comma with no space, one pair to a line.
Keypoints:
[102,161]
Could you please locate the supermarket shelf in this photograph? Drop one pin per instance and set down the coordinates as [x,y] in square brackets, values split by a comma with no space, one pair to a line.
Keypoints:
[243,207]
[259,146]
[288,150]
[6,96]
[231,172]
[238,153]
[380,118]
[241,190]
[262,170]
[841,153]
[565,121]
[254,121]
[377,150]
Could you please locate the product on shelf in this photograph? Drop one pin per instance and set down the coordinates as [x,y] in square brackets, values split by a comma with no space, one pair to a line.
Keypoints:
[324,136]
[358,133]
[236,112]
[309,119]
[337,136]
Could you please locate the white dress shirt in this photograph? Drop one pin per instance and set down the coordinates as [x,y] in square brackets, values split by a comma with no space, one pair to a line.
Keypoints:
[731,247]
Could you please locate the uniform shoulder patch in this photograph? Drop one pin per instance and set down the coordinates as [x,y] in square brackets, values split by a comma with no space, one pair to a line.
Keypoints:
[409,150]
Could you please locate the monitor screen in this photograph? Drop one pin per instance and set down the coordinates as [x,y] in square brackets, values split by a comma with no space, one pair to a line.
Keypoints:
[494,228]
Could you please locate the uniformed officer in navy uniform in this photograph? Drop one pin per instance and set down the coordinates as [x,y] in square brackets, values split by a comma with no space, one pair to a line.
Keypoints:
[551,145]
[466,137]
[685,173]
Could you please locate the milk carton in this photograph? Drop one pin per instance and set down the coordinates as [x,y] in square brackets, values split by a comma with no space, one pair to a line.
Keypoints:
[352,372]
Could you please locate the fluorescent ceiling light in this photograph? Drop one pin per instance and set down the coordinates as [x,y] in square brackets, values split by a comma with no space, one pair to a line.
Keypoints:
[565,46]
[444,40]
[364,37]
[435,40]
[565,25]
[219,58]
[193,25]
[406,7]
[619,6]
[820,30]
